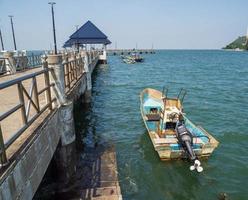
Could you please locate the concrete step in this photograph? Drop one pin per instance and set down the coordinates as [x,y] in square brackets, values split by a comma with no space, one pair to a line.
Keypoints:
[102,193]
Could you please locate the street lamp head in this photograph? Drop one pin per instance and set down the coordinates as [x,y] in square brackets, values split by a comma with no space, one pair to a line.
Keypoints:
[51,3]
[11,16]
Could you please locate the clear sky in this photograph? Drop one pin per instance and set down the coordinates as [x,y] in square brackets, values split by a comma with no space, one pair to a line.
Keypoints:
[168,24]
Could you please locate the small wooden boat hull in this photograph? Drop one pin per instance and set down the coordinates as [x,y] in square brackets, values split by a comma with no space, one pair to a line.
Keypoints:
[139,59]
[167,145]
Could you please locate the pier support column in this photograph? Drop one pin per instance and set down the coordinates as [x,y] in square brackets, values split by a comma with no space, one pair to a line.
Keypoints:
[83,86]
[10,63]
[65,157]
[87,94]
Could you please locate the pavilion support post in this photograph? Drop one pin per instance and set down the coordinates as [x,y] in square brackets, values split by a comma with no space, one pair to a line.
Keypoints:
[103,55]
[65,154]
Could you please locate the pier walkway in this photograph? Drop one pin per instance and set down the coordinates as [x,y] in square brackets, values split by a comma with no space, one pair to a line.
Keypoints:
[36,120]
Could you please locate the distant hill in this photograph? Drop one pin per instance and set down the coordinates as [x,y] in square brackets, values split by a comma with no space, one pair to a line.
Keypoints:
[238,43]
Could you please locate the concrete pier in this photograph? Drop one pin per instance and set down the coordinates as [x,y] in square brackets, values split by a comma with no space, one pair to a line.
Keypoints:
[99,169]
[44,127]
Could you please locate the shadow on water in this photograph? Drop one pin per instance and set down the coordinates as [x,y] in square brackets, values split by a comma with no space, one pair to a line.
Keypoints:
[90,146]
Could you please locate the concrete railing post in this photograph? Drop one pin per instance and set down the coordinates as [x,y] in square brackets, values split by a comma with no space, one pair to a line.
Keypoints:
[66,68]
[75,63]
[10,63]
[57,76]
[89,57]
[21,62]
[79,66]
[87,95]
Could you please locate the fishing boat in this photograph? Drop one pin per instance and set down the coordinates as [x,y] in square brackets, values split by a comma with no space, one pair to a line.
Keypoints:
[136,57]
[128,60]
[172,134]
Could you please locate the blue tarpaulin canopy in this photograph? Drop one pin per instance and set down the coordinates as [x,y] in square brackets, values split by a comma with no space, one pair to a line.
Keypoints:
[87,34]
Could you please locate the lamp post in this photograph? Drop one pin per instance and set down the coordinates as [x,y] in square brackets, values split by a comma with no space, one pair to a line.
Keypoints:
[13,32]
[77,42]
[54,33]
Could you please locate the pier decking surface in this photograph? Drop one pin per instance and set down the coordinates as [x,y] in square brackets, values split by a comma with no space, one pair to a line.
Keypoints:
[99,169]
[96,178]
[31,121]
[9,98]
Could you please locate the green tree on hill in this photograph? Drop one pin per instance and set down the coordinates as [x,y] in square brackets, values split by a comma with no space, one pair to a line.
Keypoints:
[240,43]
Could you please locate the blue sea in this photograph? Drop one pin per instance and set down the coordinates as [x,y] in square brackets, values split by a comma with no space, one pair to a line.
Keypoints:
[217,99]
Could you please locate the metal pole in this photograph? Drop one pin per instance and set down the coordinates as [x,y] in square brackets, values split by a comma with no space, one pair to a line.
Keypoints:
[3,157]
[1,38]
[54,33]
[77,43]
[13,32]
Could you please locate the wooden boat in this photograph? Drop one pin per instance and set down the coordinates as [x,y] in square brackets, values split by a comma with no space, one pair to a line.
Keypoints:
[128,61]
[172,134]
[136,57]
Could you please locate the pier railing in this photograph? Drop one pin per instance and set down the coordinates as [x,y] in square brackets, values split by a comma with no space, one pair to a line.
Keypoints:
[34,60]
[74,69]
[13,63]
[26,99]
[35,97]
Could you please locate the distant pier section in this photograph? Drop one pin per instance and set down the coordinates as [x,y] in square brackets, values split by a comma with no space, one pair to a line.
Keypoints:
[113,52]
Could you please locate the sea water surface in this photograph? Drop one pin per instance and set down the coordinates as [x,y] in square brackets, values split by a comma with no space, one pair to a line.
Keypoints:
[217,99]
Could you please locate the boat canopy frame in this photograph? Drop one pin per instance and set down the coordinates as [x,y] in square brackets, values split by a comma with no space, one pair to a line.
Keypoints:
[182,93]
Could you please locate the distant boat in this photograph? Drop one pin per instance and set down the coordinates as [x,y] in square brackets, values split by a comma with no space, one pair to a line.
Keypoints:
[133,58]
[128,60]
[172,134]
[137,57]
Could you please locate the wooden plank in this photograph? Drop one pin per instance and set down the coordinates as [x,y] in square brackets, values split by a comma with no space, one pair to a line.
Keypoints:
[165,141]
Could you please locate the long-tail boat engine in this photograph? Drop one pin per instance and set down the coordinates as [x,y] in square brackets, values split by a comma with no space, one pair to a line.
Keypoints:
[186,140]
